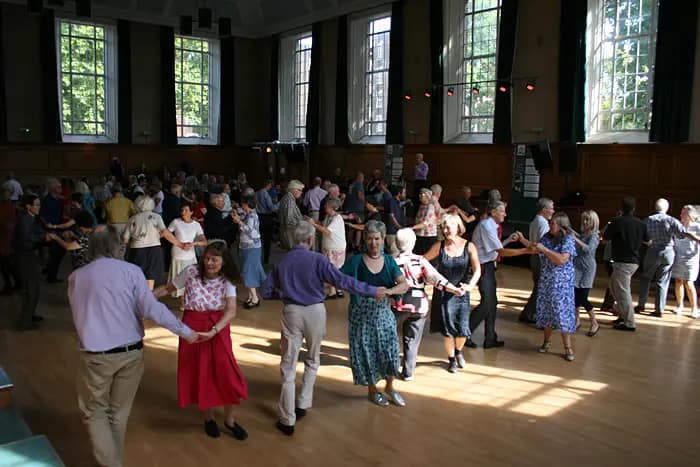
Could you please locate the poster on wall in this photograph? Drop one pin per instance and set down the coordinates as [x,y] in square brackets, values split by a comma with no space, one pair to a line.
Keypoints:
[393,163]
[525,185]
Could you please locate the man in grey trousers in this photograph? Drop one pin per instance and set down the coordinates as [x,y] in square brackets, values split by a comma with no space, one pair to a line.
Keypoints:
[298,280]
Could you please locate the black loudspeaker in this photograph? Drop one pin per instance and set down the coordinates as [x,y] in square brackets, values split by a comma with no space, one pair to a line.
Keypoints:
[186,25]
[83,8]
[56,2]
[568,157]
[204,18]
[541,156]
[296,153]
[224,27]
[35,6]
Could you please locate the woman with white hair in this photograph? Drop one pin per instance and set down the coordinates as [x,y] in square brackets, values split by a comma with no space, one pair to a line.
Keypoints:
[426,222]
[458,261]
[333,242]
[142,235]
[411,308]
[555,295]
[685,263]
[373,341]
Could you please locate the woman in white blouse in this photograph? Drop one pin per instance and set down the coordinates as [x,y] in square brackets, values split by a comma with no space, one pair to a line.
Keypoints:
[333,243]
[187,231]
[142,235]
[207,372]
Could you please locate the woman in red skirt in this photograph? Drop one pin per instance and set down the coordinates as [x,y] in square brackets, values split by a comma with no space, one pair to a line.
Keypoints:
[207,372]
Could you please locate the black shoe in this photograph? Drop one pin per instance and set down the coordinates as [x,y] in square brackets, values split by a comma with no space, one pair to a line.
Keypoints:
[623,327]
[286,429]
[461,362]
[212,429]
[237,431]
[470,344]
[340,294]
[300,413]
[657,314]
[452,366]
[496,343]
[618,321]
[249,305]
[37,319]
[638,309]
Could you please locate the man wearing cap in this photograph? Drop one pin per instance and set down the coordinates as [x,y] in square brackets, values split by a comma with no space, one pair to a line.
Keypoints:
[289,213]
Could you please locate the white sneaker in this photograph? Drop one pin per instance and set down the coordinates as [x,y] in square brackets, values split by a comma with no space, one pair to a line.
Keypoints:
[695,314]
[678,310]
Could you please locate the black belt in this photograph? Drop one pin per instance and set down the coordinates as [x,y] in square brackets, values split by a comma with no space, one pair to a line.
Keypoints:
[122,349]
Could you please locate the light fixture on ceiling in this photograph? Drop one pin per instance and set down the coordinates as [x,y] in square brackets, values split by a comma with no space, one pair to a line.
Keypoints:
[475,90]
[428,93]
[407,95]
[450,92]
[530,85]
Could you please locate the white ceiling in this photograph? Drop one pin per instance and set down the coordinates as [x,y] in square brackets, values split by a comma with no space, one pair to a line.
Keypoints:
[249,18]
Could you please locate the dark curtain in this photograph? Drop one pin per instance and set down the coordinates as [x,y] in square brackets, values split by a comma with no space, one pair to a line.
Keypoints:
[227,106]
[572,71]
[436,73]
[312,107]
[3,98]
[49,79]
[673,72]
[502,132]
[274,89]
[394,113]
[341,85]
[168,122]
[124,81]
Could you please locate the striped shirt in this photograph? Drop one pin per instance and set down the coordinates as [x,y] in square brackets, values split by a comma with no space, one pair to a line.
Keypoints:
[418,272]
[289,213]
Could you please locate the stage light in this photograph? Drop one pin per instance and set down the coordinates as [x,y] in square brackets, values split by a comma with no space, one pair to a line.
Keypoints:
[428,93]
[503,88]
[450,92]
[408,96]
[475,90]
[268,149]
[185,25]
[83,8]
[530,85]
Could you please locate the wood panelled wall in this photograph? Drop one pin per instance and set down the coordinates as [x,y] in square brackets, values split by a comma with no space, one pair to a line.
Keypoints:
[605,173]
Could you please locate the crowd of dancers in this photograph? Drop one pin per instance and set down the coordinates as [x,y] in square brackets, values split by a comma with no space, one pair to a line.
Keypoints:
[201,235]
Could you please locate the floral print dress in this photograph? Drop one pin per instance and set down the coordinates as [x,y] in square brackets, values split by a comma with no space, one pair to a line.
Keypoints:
[555,295]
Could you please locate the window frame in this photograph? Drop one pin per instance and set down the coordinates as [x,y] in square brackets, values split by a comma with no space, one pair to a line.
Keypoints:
[358,60]
[214,93]
[454,63]
[288,102]
[111,77]
[595,45]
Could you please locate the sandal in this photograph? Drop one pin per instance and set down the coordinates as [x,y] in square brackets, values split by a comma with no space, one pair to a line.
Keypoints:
[332,297]
[249,305]
[545,347]
[592,333]
[340,294]
[569,354]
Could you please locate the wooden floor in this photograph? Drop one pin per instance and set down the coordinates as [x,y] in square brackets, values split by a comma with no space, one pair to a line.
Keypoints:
[628,399]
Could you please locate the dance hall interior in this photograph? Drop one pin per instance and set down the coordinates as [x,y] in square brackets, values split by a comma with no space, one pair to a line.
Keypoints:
[349,233]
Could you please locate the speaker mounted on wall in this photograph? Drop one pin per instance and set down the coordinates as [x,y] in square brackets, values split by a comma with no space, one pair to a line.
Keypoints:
[186,25]
[541,156]
[35,6]
[568,157]
[224,27]
[83,8]
[204,18]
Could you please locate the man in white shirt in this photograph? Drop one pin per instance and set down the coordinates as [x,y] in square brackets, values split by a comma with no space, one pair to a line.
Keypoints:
[489,246]
[109,299]
[538,228]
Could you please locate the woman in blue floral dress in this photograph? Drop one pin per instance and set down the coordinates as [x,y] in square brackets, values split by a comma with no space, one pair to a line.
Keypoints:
[555,296]
[373,341]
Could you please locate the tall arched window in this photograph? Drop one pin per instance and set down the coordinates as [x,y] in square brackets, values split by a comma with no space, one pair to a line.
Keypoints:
[621,42]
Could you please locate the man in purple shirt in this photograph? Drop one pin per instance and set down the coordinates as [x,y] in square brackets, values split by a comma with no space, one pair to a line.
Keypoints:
[420,177]
[110,299]
[298,280]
